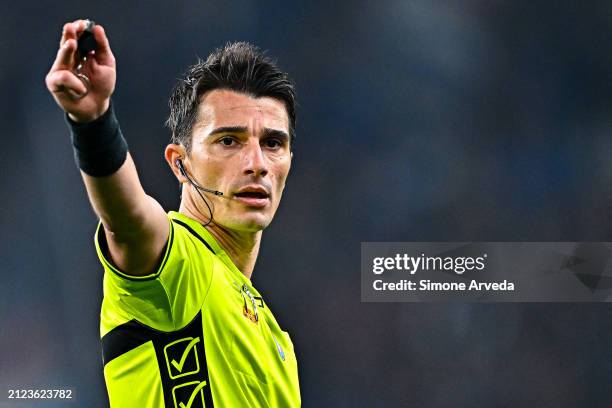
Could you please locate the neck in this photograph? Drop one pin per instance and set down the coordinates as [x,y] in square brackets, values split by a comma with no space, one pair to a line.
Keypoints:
[241,246]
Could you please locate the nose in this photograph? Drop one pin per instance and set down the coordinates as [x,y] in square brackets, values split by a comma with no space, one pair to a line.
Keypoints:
[254,160]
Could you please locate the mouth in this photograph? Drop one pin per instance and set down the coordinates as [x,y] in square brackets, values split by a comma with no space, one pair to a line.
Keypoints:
[253,196]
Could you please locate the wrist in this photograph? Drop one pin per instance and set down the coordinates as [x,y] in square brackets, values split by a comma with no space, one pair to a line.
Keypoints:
[85,124]
[86,118]
[99,146]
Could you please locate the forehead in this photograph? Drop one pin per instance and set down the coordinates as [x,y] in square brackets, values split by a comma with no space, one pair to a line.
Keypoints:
[221,107]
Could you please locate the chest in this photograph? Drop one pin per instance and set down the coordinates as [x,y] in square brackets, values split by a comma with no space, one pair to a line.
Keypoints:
[241,327]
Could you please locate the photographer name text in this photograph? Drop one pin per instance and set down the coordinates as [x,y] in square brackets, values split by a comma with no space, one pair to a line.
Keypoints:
[412,264]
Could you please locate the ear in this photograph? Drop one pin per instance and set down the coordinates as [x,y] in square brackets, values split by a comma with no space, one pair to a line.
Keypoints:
[173,153]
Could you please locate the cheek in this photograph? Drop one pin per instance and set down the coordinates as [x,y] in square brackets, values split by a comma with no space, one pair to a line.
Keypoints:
[217,170]
[281,174]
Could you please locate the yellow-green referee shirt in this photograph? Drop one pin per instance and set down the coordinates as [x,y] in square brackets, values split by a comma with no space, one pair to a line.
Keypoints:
[195,333]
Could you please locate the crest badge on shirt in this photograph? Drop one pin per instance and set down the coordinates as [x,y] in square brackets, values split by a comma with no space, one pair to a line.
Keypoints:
[251,304]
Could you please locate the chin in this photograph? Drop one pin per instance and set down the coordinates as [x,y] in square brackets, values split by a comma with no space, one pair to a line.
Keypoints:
[249,223]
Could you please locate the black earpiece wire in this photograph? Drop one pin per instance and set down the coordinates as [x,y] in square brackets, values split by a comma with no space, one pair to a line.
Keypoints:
[197,187]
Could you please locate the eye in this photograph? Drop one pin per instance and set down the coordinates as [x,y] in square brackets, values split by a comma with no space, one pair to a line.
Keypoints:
[227,141]
[273,143]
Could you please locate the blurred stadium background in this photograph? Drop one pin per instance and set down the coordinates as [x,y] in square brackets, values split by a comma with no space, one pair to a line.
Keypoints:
[418,121]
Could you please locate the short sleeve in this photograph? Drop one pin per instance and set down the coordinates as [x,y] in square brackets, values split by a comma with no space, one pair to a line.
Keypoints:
[168,298]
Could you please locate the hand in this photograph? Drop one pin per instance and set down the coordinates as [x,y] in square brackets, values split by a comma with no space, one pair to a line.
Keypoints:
[68,90]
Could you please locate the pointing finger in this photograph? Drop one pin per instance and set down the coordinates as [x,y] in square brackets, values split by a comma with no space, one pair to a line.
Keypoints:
[79,25]
[68,32]
[72,30]
[65,55]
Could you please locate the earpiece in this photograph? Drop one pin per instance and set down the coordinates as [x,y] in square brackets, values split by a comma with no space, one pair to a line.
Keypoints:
[179,164]
[198,188]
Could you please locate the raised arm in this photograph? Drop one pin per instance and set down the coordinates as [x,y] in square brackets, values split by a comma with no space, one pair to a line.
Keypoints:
[135,224]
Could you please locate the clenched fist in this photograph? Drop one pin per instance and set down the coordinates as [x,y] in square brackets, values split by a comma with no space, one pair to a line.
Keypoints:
[69,91]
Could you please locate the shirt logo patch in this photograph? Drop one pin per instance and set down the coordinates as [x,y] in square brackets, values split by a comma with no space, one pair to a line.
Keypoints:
[189,395]
[182,357]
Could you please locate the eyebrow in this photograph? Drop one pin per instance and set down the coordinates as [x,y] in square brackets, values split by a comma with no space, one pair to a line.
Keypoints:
[228,129]
[267,132]
[279,134]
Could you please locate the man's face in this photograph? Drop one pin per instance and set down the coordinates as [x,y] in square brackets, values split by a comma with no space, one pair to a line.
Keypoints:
[240,146]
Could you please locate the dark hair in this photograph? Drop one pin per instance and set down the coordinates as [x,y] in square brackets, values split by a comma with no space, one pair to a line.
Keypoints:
[239,67]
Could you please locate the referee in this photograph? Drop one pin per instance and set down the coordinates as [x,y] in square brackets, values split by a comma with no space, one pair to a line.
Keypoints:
[181,323]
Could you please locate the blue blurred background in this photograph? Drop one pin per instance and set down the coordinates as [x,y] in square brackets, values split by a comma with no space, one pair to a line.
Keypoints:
[418,121]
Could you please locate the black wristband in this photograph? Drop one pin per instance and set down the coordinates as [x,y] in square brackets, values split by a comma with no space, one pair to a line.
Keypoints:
[99,147]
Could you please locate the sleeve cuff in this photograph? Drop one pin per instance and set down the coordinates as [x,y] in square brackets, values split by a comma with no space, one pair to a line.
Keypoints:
[97,125]
[102,251]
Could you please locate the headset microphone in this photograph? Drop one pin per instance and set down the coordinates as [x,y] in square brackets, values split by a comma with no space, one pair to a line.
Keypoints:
[179,164]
